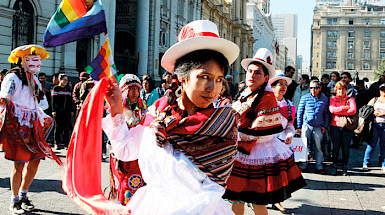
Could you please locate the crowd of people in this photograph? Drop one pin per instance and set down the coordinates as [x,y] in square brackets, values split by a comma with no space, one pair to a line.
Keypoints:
[198,139]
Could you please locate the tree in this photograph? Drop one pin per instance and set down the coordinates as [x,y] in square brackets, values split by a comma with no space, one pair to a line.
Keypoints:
[381,69]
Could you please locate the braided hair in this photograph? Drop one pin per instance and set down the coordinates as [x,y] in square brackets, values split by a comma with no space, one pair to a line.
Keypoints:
[259,92]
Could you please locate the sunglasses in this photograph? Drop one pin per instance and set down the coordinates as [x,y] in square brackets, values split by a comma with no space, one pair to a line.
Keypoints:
[316,88]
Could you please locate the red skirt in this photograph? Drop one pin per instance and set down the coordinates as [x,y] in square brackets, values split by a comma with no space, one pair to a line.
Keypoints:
[21,143]
[264,184]
[125,179]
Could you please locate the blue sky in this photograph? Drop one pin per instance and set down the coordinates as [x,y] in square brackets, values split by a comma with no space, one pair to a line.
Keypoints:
[304,10]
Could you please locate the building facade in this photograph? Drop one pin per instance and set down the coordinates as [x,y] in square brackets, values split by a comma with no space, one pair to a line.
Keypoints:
[280,60]
[140,32]
[286,28]
[230,17]
[261,25]
[348,38]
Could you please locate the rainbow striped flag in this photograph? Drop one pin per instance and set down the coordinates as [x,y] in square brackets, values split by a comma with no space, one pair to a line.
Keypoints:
[75,20]
[103,65]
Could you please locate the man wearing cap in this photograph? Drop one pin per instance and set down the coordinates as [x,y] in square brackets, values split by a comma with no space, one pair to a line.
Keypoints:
[312,120]
[46,86]
[232,87]
[23,124]
[76,91]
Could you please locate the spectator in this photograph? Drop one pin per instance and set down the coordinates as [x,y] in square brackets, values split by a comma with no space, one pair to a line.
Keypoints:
[289,72]
[85,89]
[325,80]
[62,111]
[341,104]
[162,88]
[302,89]
[148,93]
[347,78]
[224,98]
[362,99]
[2,75]
[167,76]
[76,91]
[232,86]
[335,77]
[312,121]
[374,89]
[55,79]
[378,130]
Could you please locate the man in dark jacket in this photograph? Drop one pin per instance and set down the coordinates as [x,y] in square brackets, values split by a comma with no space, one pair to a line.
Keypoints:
[289,72]
[374,90]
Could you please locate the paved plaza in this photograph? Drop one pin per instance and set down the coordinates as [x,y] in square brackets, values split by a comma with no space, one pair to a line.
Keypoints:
[359,193]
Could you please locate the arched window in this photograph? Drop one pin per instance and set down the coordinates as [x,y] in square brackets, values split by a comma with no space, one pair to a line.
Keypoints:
[22,23]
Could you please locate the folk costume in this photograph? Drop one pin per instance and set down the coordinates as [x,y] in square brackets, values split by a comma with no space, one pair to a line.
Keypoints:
[184,159]
[125,176]
[264,171]
[23,124]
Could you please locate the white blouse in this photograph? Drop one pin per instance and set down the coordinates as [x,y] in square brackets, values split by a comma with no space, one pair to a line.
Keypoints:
[25,105]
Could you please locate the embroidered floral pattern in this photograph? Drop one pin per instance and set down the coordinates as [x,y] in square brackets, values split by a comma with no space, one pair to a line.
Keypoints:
[135,181]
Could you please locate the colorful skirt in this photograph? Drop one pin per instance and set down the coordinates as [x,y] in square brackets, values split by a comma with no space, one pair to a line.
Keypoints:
[22,143]
[125,179]
[264,184]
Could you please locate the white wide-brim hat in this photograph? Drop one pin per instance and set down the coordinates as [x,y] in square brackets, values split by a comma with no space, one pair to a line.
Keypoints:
[279,74]
[199,35]
[263,56]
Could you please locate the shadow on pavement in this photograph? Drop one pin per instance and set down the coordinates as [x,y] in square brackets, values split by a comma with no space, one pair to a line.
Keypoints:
[317,210]
[38,185]
[39,211]
[321,185]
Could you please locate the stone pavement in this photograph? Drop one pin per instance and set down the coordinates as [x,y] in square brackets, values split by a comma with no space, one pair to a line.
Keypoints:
[358,193]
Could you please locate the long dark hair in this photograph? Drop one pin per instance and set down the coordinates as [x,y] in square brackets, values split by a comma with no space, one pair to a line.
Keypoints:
[20,73]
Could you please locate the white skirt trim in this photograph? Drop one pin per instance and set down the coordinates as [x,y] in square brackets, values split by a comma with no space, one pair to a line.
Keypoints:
[265,151]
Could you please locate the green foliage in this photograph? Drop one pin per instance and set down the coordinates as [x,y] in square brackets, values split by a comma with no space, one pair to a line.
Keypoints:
[381,69]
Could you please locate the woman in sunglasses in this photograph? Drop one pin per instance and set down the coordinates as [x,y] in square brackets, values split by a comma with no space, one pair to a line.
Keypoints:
[341,104]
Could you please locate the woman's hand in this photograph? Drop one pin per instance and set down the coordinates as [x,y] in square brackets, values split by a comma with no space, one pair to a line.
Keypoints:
[289,138]
[114,97]
[3,102]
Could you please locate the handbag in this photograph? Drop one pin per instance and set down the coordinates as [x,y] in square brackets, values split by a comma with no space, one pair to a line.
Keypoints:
[349,122]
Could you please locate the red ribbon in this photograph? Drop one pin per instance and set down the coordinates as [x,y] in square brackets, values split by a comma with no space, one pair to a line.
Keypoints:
[188,32]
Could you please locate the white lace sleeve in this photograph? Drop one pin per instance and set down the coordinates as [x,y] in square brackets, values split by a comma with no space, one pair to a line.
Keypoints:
[43,104]
[125,142]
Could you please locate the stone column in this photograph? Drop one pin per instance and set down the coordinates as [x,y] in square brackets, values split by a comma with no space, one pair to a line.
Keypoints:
[142,36]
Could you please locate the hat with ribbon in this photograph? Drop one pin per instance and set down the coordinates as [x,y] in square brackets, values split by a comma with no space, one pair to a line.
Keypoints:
[130,80]
[199,35]
[263,56]
[26,50]
[279,74]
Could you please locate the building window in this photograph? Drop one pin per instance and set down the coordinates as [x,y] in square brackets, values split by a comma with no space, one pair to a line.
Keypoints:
[334,54]
[328,65]
[335,34]
[382,44]
[350,33]
[366,54]
[366,44]
[367,21]
[350,54]
[333,65]
[383,21]
[329,54]
[317,54]
[366,65]
[351,21]
[335,21]
[382,34]
[350,44]
[330,21]
[22,23]
[317,65]
[330,34]
[367,34]
[350,65]
[334,44]
[382,55]
[329,44]
[317,45]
